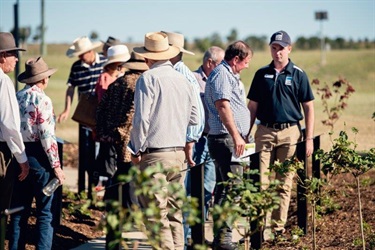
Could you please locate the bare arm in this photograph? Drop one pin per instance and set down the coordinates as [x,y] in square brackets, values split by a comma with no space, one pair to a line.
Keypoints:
[308,109]
[68,102]
[253,107]
[226,116]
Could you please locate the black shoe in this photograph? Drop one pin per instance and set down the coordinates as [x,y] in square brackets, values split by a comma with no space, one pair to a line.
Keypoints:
[241,241]
[208,243]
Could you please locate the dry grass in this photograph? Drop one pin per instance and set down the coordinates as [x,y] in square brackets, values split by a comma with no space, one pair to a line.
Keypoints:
[357,66]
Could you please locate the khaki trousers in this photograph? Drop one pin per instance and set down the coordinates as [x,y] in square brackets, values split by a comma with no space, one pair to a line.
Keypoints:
[275,145]
[172,232]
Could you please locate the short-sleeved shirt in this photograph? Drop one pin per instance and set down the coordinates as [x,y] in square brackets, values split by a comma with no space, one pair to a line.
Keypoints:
[224,84]
[85,76]
[279,96]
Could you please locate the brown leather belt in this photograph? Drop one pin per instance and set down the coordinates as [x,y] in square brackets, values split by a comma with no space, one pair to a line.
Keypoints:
[159,150]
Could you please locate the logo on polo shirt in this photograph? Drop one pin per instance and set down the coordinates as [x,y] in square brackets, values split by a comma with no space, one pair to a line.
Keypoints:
[268,76]
[288,80]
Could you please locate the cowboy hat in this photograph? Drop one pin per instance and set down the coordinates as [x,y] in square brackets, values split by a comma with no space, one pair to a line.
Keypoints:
[81,45]
[117,53]
[35,70]
[177,40]
[7,42]
[157,47]
[136,62]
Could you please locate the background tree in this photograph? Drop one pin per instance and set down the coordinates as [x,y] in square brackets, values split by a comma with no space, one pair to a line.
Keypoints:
[233,36]
[216,40]
[94,35]
[23,34]
[256,42]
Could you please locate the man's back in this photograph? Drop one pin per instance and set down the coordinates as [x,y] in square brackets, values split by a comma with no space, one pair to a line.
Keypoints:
[168,97]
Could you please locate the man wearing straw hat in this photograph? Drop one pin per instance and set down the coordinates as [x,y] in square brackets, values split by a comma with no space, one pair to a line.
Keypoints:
[84,74]
[193,132]
[163,93]
[11,144]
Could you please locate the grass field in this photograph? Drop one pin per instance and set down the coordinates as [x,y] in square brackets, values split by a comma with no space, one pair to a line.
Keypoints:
[357,66]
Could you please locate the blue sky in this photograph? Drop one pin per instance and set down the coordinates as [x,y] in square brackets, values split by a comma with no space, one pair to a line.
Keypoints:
[131,19]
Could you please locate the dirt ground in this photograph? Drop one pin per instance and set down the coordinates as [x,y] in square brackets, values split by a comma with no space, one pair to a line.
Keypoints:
[337,229]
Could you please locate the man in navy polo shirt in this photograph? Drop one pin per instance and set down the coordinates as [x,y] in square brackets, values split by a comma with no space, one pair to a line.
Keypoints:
[276,93]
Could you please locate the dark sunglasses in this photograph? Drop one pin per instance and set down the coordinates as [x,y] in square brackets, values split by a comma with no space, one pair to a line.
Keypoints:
[12,53]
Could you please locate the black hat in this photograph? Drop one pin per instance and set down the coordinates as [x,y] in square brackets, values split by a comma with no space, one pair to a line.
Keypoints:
[282,38]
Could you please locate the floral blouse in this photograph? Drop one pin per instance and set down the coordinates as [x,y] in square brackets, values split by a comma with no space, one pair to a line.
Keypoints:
[38,121]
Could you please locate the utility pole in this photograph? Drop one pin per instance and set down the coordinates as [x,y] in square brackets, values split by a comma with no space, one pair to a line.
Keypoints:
[43,48]
[16,38]
[321,16]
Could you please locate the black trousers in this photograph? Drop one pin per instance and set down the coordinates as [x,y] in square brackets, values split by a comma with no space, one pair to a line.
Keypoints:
[7,182]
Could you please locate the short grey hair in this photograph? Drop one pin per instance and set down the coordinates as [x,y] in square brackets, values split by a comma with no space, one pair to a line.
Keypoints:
[212,53]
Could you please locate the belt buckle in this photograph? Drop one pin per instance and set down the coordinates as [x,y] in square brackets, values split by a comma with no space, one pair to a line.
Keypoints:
[284,125]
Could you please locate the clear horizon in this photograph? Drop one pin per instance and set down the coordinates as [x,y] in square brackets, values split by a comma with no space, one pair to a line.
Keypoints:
[130,20]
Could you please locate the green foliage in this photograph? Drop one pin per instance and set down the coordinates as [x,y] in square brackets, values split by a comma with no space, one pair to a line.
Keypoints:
[147,220]
[296,233]
[246,202]
[289,165]
[327,205]
[343,158]
[79,208]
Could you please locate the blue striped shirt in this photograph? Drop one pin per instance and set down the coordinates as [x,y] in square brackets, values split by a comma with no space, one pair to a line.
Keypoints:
[85,76]
[223,84]
[194,132]
[164,106]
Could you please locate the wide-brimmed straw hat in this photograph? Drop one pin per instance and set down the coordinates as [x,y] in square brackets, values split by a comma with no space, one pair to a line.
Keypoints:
[7,42]
[35,70]
[157,47]
[177,40]
[117,53]
[136,62]
[82,45]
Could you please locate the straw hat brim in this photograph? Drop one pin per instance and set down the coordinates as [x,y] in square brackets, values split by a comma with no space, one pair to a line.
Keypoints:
[171,52]
[187,51]
[136,66]
[71,52]
[24,78]
[121,58]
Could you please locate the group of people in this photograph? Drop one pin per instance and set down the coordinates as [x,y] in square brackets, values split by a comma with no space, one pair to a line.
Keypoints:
[152,102]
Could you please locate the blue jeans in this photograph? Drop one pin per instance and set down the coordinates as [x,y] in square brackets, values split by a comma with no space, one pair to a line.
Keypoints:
[23,194]
[201,154]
